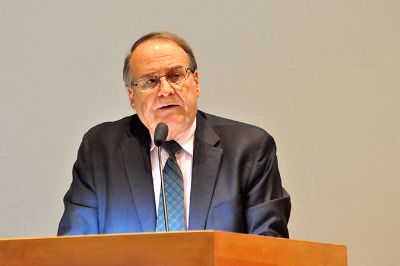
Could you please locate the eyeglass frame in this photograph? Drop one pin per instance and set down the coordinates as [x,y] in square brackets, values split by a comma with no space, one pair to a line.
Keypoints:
[188,70]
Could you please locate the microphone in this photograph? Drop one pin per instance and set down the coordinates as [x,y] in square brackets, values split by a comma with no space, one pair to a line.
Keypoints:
[160,136]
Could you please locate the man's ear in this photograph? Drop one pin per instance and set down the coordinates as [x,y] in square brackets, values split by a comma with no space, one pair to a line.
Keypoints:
[197,81]
[129,90]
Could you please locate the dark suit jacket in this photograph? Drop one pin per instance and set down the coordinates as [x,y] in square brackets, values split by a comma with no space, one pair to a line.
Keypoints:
[236,185]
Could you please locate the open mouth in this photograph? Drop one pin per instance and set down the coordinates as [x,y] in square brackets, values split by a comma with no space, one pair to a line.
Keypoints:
[169,106]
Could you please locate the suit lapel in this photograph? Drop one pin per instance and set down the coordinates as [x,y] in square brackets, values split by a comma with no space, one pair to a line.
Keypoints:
[206,163]
[136,154]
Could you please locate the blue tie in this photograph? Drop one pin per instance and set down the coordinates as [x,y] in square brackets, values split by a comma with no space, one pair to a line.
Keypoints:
[174,193]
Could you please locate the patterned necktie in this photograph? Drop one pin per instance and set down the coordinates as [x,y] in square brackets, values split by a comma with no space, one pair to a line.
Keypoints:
[174,194]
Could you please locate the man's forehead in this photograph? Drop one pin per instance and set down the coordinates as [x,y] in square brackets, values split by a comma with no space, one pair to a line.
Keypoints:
[157,49]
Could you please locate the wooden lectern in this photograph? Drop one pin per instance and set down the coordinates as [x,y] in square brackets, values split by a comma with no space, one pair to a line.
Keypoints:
[177,248]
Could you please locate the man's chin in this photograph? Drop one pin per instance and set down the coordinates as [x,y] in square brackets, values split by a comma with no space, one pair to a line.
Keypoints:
[177,124]
[172,120]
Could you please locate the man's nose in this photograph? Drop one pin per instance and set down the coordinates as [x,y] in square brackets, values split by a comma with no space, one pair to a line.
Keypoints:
[165,87]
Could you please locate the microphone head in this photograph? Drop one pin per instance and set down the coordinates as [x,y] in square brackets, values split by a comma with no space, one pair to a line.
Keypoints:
[160,134]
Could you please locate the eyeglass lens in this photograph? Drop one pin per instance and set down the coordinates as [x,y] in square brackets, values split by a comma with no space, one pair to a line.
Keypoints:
[174,76]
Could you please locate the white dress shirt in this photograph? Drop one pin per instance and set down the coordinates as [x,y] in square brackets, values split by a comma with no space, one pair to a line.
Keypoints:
[184,158]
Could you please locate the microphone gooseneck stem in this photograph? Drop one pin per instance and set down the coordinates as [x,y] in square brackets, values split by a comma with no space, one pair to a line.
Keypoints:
[164,202]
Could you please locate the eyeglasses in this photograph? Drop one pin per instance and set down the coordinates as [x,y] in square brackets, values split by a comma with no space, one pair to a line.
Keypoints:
[174,76]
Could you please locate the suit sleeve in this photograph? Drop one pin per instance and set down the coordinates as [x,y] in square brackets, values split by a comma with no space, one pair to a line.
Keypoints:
[267,202]
[80,202]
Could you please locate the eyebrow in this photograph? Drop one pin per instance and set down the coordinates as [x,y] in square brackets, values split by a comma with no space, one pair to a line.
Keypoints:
[154,73]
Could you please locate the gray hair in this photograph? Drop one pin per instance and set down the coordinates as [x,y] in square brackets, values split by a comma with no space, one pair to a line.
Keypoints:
[158,35]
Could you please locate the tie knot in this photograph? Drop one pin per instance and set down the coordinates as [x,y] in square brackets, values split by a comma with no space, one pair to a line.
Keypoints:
[171,147]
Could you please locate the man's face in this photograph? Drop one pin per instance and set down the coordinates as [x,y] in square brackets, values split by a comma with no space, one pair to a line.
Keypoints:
[177,107]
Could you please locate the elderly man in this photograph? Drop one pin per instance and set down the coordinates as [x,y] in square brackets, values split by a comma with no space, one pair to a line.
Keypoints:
[218,173]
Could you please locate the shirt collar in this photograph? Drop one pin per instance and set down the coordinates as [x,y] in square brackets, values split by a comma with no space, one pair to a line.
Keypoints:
[185,139]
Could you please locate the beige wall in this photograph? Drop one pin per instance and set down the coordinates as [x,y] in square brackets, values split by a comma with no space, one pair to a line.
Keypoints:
[321,76]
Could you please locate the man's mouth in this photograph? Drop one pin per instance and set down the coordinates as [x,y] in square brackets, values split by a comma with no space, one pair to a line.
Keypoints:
[168,106]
